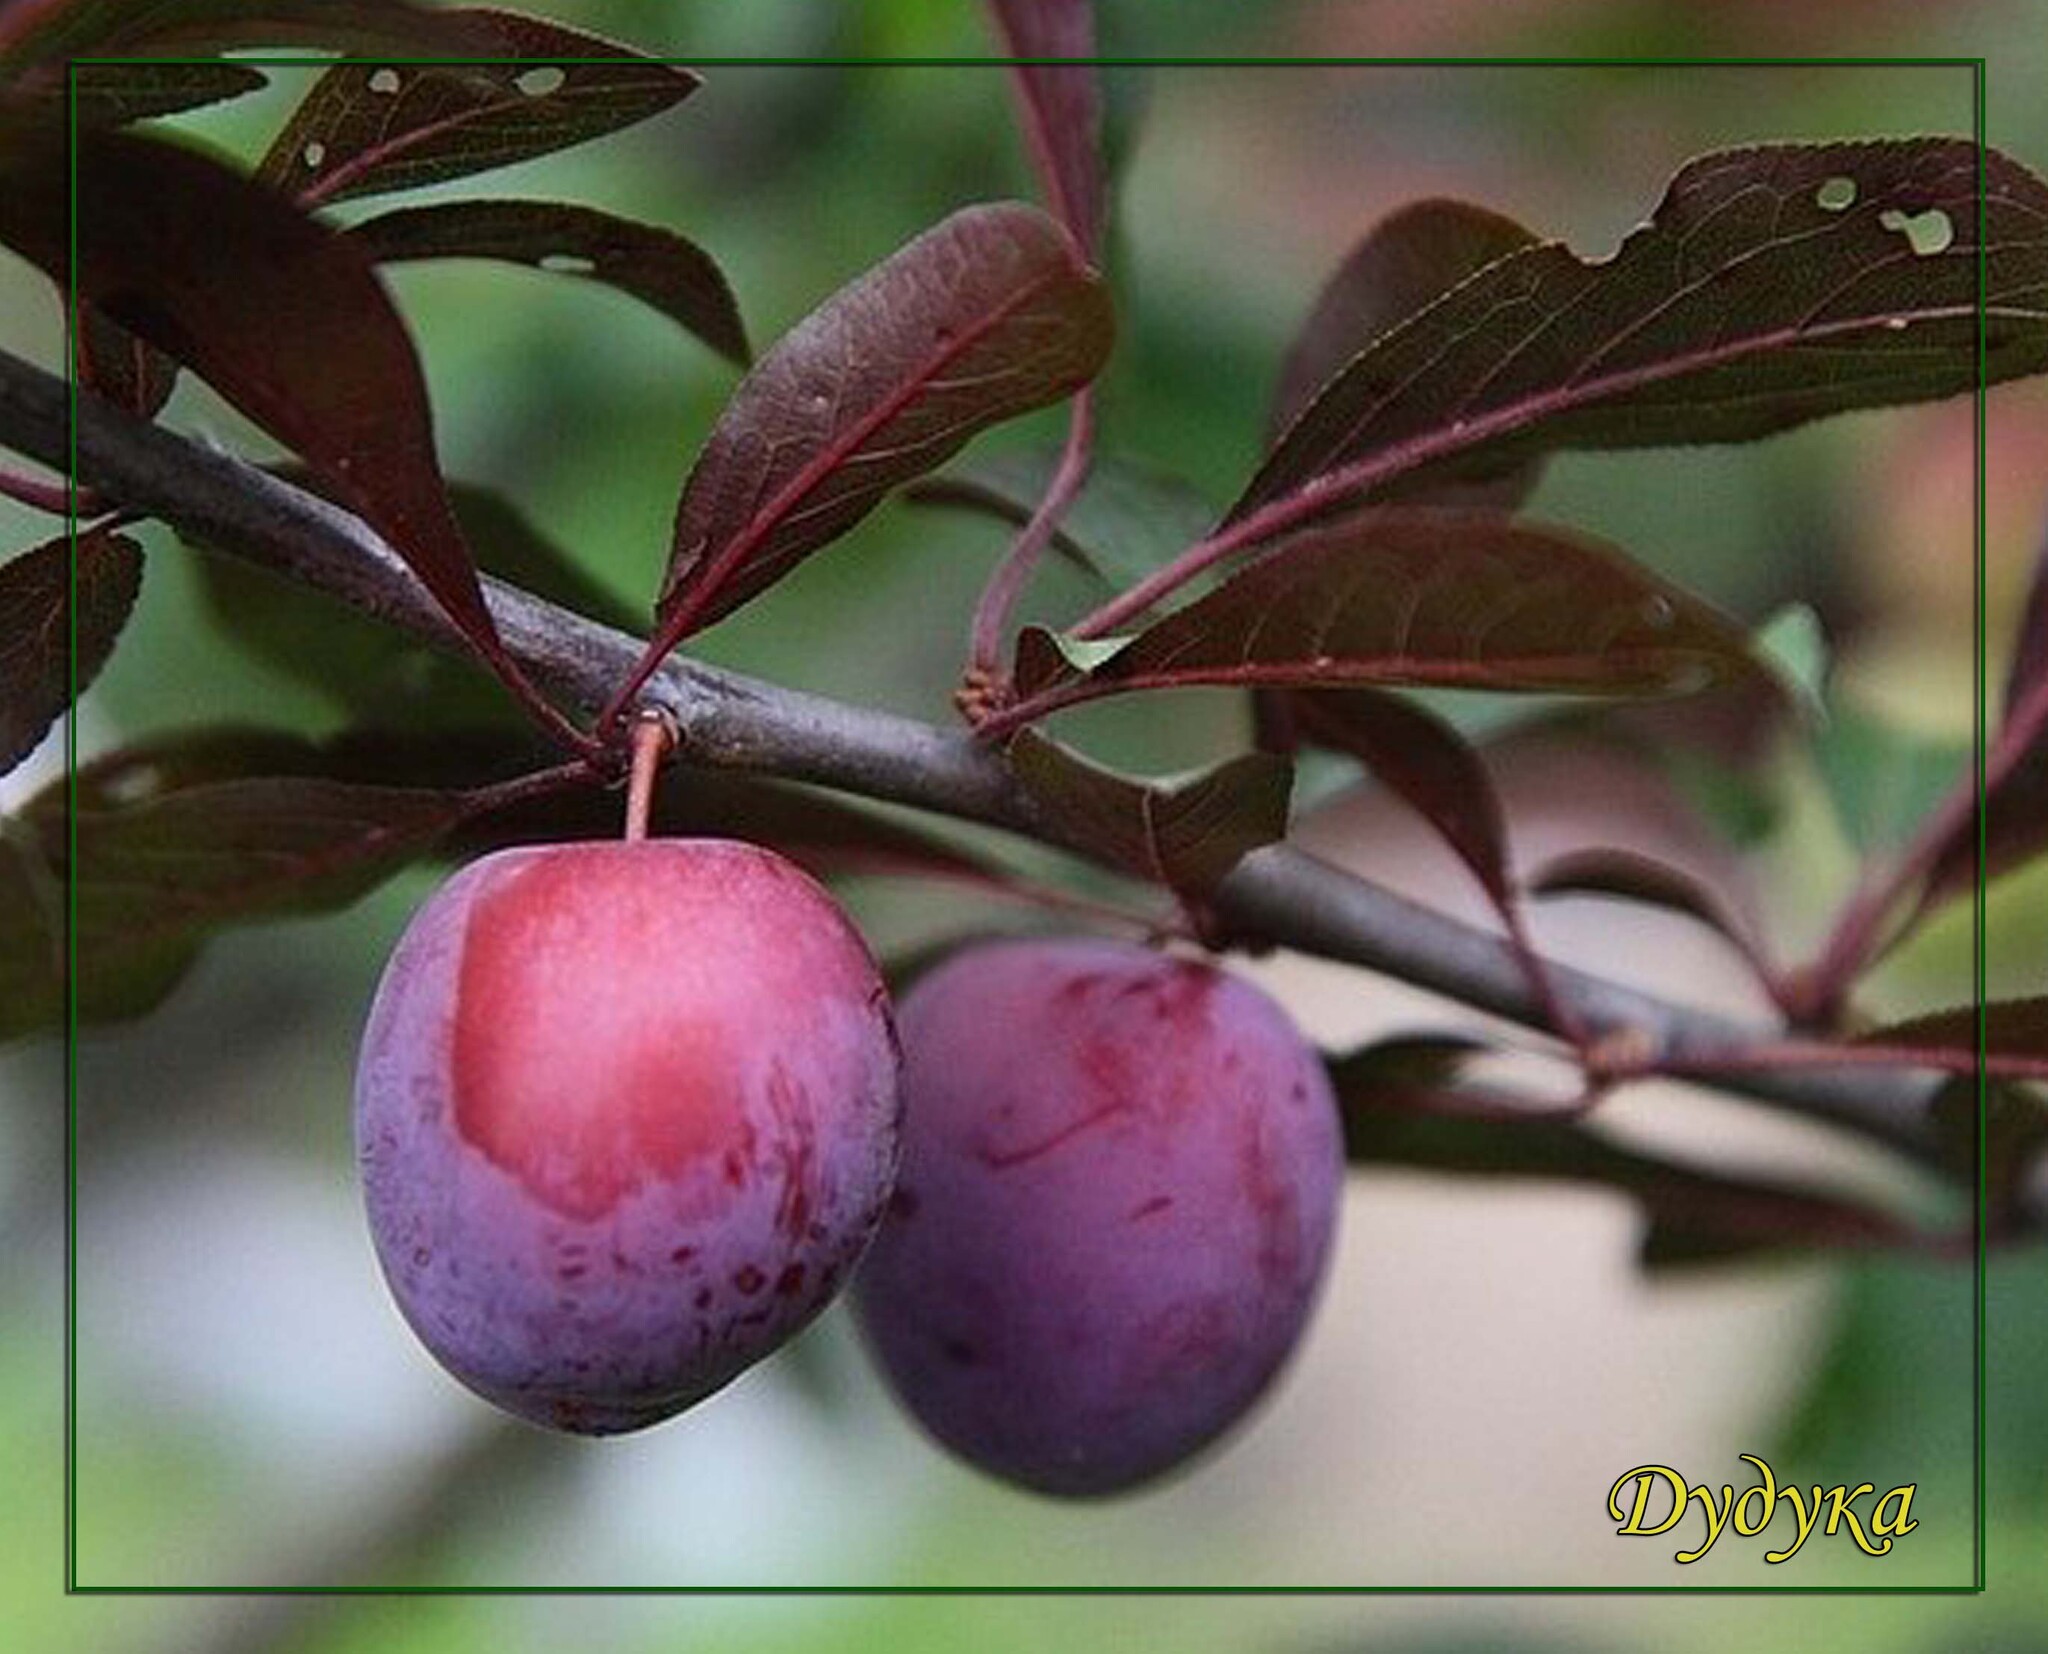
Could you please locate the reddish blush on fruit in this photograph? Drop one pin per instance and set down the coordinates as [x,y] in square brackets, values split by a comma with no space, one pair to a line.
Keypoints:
[626,1116]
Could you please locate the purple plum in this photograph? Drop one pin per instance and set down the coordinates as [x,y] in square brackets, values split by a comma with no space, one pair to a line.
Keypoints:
[627,1116]
[1120,1181]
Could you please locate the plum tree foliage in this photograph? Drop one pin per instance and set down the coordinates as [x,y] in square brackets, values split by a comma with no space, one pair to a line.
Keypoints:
[628,1112]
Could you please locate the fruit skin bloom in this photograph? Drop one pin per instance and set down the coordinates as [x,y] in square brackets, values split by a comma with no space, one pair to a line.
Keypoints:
[1120,1183]
[627,1115]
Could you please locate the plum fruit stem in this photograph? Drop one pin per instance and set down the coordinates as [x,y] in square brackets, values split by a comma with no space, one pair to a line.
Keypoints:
[654,737]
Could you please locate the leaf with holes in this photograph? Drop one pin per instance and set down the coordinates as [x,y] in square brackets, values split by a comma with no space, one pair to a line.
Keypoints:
[36,629]
[1128,521]
[38,36]
[670,275]
[987,315]
[1186,835]
[1062,108]
[1773,285]
[1398,1111]
[1418,598]
[367,128]
[1404,263]
[285,318]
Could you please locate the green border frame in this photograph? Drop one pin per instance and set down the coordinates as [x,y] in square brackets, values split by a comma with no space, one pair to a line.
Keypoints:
[1980,1534]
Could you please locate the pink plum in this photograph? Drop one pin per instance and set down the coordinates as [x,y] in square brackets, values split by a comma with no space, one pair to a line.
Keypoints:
[627,1115]
[1119,1186]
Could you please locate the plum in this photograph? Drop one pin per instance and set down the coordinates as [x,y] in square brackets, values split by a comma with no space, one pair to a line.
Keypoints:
[627,1115]
[1119,1185]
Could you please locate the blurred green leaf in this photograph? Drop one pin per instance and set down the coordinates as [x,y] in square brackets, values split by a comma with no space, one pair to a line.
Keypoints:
[1883,780]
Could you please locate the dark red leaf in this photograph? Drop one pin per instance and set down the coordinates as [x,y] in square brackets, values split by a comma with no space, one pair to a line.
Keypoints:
[37,36]
[1127,521]
[1062,108]
[2015,767]
[31,936]
[367,128]
[1185,835]
[285,318]
[153,879]
[2013,1135]
[2028,674]
[181,837]
[112,94]
[1404,263]
[1418,598]
[1758,297]
[1632,876]
[663,271]
[2015,1036]
[987,315]
[36,625]
[1428,764]
[1400,1112]
[116,365]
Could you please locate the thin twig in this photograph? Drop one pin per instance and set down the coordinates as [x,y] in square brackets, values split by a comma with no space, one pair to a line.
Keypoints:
[1006,585]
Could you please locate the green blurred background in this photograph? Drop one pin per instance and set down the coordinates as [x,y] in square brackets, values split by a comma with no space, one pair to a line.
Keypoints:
[252,1412]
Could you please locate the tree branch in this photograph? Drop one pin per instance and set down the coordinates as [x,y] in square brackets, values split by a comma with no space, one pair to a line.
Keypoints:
[728,721]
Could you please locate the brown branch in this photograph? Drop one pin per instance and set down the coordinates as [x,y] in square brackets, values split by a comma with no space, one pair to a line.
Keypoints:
[729,721]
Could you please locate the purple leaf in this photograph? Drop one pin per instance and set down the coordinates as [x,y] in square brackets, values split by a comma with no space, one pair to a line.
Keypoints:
[153,878]
[2015,768]
[367,128]
[37,36]
[113,94]
[1404,263]
[31,936]
[988,315]
[35,629]
[114,364]
[1631,876]
[1185,835]
[1062,108]
[1773,285]
[2015,1036]
[2014,1132]
[668,274]
[285,318]
[1428,764]
[1404,1105]
[1417,598]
